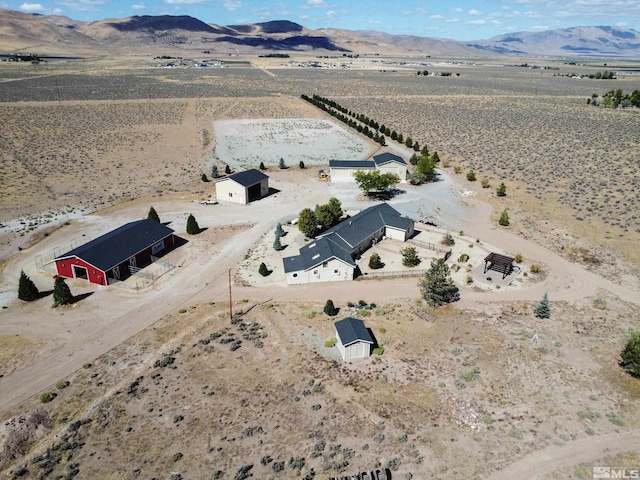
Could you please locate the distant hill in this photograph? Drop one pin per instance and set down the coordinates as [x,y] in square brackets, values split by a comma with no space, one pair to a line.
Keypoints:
[48,34]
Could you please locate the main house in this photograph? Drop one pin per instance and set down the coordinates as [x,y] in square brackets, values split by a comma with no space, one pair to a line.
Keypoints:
[332,255]
[243,187]
[114,255]
[343,170]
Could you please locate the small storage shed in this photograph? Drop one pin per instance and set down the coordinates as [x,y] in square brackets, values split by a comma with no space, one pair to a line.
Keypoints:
[243,187]
[114,255]
[354,340]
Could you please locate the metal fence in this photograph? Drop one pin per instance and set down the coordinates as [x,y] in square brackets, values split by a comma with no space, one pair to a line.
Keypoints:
[398,273]
[431,246]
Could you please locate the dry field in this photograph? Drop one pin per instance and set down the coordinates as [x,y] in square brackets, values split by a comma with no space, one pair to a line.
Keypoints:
[460,392]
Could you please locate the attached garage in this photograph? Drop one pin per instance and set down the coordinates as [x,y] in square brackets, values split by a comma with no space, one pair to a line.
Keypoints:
[343,170]
[243,187]
[390,163]
[354,339]
[116,254]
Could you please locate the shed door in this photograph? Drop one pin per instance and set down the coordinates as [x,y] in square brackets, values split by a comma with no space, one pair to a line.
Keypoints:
[80,272]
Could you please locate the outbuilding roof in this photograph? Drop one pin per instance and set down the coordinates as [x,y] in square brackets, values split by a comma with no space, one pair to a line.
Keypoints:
[387,157]
[362,164]
[117,246]
[352,330]
[248,178]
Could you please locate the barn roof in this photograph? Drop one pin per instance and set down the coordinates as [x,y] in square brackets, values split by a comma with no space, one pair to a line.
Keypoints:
[352,164]
[117,246]
[248,178]
[352,330]
[387,157]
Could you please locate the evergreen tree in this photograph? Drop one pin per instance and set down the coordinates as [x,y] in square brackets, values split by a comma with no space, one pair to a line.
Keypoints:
[435,157]
[61,293]
[408,142]
[281,164]
[501,191]
[542,310]
[426,167]
[410,257]
[262,167]
[307,223]
[375,262]
[329,308]
[192,225]
[214,171]
[279,230]
[263,270]
[630,355]
[204,178]
[277,245]
[153,215]
[425,151]
[335,207]
[416,146]
[414,159]
[504,218]
[471,176]
[436,287]
[227,170]
[301,165]
[27,290]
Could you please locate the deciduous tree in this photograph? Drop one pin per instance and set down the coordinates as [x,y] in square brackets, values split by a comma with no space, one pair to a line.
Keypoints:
[374,181]
[630,355]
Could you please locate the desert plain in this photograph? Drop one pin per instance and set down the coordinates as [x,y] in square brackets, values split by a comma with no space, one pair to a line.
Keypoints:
[155,381]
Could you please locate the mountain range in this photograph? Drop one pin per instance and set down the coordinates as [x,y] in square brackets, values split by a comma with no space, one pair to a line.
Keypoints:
[51,34]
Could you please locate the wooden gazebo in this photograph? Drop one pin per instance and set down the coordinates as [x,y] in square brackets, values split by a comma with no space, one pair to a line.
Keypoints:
[499,263]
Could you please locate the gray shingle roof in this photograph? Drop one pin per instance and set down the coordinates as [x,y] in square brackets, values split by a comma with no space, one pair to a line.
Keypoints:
[315,253]
[117,246]
[352,330]
[387,157]
[248,178]
[364,164]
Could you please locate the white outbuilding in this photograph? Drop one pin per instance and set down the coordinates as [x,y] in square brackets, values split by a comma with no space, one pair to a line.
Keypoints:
[354,340]
[243,187]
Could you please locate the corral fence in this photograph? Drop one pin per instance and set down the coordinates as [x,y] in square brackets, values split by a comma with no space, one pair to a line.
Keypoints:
[396,274]
[45,262]
[431,246]
[144,277]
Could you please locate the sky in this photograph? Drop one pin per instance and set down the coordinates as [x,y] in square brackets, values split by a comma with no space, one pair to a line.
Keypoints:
[455,19]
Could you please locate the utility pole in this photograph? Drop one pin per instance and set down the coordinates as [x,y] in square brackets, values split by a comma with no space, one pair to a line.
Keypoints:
[230,302]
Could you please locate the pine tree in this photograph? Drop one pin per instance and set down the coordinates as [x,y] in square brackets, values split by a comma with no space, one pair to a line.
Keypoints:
[214,172]
[543,310]
[263,270]
[279,230]
[329,308]
[281,164]
[262,167]
[227,170]
[153,215]
[436,287]
[204,178]
[410,257]
[630,355]
[504,218]
[61,293]
[301,165]
[501,191]
[276,243]
[27,290]
[375,262]
[192,225]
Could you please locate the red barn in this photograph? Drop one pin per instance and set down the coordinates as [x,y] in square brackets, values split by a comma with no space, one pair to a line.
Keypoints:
[112,256]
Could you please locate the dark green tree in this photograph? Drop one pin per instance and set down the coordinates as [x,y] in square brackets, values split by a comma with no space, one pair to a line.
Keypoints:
[335,207]
[501,191]
[504,218]
[543,310]
[277,245]
[214,171]
[301,165]
[410,257]
[192,225]
[153,215]
[262,167]
[425,151]
[471,176]
[279,230]
[307,223]
[630,355]
[414,159]
[227,170]
[409,142]
[329,214]
[436,287]
[427,167]
[204,178]
[416,146]
[61,293]
[281,164]
[435,157]
[263,270]
[27,290]
[375,262]
[374,181]
[329,308]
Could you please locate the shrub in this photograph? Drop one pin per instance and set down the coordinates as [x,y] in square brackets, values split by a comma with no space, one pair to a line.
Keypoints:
[331,342]
[47,397]
[457,169]
[204,178]
[471,176]
[463,258]
[485,182]
[329,308]
[62,384]
[375,262]
[630,355]
[379,350]
[518,258]
[469,279]
[192,225]
[501,191]
[263,270]
[504,218]
[447,240]
[410,257]
[27,290]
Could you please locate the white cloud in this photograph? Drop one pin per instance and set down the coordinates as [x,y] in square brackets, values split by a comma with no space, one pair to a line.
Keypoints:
[184,2]
[477,22]
[331,14]
[437,17]
[231,5]
[316,3]
[81,5]
[474,12]
[32,7]
[138,6]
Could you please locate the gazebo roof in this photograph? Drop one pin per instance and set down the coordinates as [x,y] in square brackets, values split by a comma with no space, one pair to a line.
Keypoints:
[497,259]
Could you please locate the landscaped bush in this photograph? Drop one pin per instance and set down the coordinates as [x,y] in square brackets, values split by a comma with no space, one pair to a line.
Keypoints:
[47,397]
[331,342]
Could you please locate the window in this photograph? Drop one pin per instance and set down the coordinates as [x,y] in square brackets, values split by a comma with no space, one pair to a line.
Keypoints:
[295,275]
[230,194]
[336,271]
[325,264]
[315,272]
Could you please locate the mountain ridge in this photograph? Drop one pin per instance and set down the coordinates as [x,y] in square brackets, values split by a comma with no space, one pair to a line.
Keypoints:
[21,31]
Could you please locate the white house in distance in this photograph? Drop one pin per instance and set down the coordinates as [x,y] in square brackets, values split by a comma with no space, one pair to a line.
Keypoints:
[343,170]
[331,256]
[354,340]
[243,187]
